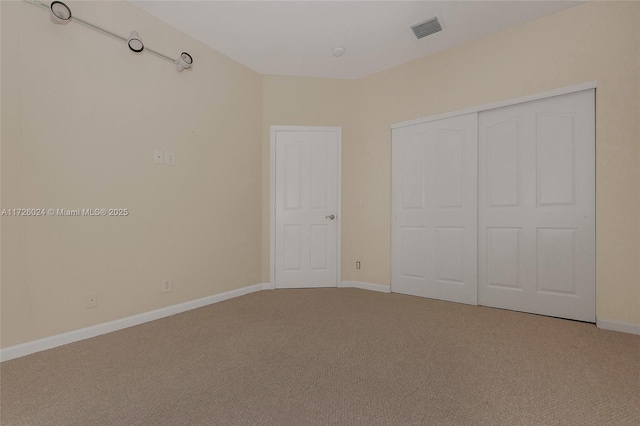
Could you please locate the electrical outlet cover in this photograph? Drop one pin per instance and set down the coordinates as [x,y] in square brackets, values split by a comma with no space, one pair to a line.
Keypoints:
[169,157]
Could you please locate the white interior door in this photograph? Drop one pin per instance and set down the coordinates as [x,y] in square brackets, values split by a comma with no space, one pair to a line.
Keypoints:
[434,209]
[306,206]
[537,207]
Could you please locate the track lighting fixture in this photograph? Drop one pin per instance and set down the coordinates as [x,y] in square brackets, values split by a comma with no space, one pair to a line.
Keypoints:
[184,62]
[59,13]
[135,44]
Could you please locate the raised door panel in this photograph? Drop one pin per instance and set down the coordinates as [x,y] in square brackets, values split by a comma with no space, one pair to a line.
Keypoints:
[412,173]
[449,249]
[292,247]
[413,253]
[556,260]
[319,247]
[503,257]
[502,163]
[555,166]
[293,176]
[319,182]
[450,168]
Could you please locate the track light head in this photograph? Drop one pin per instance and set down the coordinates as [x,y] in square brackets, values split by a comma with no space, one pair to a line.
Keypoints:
[59,13]
[184,62]
[135,43]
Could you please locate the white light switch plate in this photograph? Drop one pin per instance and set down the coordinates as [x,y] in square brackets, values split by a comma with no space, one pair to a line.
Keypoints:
[167,285]
[169,157]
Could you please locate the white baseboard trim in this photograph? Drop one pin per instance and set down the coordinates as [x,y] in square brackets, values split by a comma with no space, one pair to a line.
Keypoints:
[618,326]
[51,342]
[365,286]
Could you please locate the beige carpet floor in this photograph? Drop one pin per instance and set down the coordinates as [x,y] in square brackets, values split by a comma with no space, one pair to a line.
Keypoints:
[333,356]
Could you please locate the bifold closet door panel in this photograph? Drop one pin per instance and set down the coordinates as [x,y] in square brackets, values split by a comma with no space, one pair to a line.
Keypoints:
[536,209]
[434,209]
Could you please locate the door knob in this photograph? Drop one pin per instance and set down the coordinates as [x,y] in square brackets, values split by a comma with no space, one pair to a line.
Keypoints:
[331,217]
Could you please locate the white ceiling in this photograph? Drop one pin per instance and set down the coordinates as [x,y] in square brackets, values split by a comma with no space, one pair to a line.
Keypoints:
[297,37]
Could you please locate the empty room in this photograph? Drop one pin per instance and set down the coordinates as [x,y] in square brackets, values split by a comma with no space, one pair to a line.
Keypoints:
[319,212]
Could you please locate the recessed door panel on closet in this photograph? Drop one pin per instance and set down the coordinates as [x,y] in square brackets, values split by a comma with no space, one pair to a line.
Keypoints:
[536,210]
[434,199]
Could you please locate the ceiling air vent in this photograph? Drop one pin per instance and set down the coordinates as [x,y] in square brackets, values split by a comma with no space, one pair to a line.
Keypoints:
[426,28]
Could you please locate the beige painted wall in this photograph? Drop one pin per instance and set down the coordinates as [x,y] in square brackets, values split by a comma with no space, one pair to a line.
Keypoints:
[80,119]
[594,41]
[81,116]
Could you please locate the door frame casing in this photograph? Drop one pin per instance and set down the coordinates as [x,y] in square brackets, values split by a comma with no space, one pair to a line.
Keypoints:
[272,190]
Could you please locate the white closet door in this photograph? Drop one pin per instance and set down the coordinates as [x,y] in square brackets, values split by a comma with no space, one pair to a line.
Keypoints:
[537,207]
[434,209]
